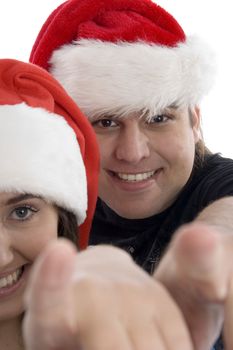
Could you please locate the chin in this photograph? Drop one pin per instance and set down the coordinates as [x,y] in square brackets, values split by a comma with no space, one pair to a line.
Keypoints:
[12,309]
[132,212]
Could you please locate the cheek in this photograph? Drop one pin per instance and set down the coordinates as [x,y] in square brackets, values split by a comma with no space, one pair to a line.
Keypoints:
[106,148]
[105,157]
[178,149]
[36,240]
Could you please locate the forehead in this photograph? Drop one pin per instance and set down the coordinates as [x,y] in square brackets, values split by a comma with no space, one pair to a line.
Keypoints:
[7,198]
[145,115]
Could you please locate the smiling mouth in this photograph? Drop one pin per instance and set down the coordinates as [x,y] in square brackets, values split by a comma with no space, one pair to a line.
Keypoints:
[11,279]
[129,177]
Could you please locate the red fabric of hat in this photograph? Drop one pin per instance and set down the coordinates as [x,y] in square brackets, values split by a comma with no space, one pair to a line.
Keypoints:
[106,20]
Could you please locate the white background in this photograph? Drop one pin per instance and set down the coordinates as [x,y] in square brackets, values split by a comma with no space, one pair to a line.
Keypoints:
[20,21]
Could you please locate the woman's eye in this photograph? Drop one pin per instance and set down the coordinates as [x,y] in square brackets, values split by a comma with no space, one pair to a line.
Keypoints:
[22,213]
[104,123]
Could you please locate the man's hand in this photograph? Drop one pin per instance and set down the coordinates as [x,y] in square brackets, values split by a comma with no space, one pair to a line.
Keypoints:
[96,300]
[197,271]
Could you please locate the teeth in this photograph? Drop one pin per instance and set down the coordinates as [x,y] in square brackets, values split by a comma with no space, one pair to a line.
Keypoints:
[135,177]
[7,281]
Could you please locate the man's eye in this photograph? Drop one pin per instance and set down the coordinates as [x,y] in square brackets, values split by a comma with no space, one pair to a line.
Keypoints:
[22,213]
[158,119]
[104,123]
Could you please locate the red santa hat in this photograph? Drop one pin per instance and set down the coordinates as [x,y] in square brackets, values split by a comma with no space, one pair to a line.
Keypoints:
[121,56]
[47,146]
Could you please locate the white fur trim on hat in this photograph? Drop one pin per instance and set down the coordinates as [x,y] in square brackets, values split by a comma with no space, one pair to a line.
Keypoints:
[105,78]
[40,155]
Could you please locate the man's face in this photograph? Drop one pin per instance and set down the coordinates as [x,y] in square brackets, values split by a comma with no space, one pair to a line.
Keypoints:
[145,164]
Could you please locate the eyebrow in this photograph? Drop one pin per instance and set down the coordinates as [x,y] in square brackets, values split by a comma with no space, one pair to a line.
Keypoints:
[19,198]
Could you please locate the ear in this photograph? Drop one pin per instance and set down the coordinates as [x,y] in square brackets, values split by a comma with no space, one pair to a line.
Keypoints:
[196,123]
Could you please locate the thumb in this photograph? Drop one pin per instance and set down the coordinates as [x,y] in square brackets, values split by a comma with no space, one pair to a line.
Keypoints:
[192,271]
[228,321]
[46,299]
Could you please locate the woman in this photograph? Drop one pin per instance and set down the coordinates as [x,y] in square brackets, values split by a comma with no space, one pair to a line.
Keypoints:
[49,167]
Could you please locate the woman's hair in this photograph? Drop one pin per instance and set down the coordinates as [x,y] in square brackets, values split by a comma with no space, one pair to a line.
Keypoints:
[67,225]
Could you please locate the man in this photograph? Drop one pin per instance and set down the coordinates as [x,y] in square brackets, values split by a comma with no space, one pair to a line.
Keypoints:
[140,81]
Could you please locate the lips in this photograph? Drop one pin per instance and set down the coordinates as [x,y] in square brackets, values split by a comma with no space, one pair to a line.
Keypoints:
[134,177]
[11,279]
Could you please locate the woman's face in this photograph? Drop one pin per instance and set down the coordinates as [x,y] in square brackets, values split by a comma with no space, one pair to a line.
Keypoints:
[27,223]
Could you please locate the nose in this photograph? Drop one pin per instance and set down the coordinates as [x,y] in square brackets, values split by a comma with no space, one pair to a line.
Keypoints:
[6,253]
[132,144]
